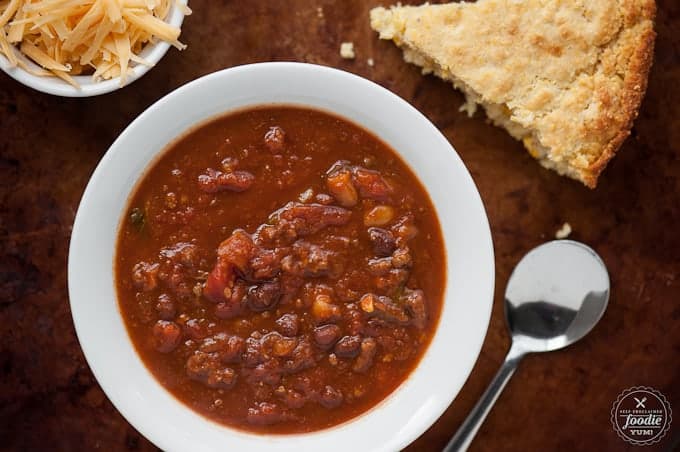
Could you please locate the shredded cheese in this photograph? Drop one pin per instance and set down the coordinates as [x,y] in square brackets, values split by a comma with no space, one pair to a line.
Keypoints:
[78,37]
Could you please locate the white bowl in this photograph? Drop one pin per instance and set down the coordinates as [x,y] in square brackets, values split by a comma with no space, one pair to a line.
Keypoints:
[446,364]
[152,52]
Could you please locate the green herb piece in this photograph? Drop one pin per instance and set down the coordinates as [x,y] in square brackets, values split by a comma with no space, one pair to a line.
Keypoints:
[137,218]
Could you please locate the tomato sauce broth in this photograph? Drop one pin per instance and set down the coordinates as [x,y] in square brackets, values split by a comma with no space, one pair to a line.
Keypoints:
[280,270]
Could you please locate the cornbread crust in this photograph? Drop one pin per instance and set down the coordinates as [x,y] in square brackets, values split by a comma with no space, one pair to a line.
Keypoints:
[565,77]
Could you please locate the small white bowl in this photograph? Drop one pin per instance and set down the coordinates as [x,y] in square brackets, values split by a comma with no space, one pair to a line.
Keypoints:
[152,52]
[446,364]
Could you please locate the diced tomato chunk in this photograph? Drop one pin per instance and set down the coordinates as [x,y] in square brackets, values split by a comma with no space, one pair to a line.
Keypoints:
[219,279]
[213,181]
[238,249]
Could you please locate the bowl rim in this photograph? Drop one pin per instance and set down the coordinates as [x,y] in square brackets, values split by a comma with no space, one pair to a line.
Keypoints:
[478,313]
[152,53]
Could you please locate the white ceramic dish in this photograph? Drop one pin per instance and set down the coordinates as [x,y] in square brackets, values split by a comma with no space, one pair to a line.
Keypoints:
[422,398]
[54,85]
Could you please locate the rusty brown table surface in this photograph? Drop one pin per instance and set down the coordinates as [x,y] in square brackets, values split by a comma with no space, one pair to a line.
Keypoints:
[49,146]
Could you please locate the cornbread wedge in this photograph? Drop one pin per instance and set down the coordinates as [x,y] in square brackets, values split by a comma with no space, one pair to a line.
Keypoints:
[566,77]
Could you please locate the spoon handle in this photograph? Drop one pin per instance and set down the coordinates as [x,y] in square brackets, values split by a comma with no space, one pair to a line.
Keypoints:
[466,433]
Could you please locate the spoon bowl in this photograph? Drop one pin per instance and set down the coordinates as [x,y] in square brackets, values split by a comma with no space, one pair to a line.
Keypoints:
[556,294]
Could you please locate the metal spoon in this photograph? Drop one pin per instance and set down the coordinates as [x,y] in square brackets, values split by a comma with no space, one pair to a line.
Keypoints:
[555,296]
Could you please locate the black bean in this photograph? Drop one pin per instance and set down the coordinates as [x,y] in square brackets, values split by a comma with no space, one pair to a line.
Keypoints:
[348,346]
[264,296]
[326,336]
[383,241]
[288,324]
